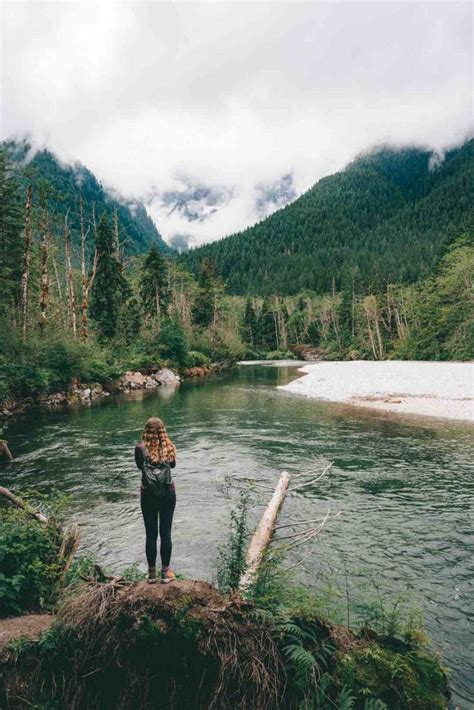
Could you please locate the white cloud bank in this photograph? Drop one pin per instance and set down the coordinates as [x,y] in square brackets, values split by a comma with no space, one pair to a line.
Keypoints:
[232,95]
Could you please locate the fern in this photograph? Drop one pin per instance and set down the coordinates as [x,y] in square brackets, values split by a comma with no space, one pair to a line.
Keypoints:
[300,657]
[346,700]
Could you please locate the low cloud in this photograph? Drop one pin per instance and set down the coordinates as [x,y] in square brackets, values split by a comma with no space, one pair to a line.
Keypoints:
[161,99]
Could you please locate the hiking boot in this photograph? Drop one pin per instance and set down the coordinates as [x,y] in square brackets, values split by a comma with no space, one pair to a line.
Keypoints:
[168,576]
[152,575]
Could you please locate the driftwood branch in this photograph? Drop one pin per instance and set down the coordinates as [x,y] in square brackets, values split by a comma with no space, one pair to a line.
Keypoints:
[20,503]
[263,534]
[313,480]
[5,450]
[69,545]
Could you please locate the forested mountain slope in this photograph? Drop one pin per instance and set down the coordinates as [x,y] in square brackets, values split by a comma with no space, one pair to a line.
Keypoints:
[383,218]
[64,184]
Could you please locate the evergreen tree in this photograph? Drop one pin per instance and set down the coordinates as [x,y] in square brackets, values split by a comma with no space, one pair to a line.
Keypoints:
[267,336]
[154,284]
[110,288]
[172,342]
[249,325]
[210,287]
[129,322]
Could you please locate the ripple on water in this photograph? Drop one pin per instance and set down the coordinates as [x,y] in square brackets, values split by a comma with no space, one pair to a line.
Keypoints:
[404,489]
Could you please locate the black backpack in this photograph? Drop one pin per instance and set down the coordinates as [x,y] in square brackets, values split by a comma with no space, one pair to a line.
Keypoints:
[157,476]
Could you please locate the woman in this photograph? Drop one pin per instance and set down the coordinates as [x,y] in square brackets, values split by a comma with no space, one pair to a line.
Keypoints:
[155,455]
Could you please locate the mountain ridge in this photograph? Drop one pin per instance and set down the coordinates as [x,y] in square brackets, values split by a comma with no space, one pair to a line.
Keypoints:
[384,217]
[70,181]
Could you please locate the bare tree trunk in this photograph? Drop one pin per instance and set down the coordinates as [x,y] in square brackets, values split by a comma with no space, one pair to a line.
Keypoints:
[56,276]
[26,261]
[372,315]
[69,278]
[275,323]
[85,279]
[5,450]
[371,337]
[263,534]
[44,284]
[333,313]
[379,338]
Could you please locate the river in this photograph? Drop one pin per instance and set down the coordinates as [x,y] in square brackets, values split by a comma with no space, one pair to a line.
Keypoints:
[404,488]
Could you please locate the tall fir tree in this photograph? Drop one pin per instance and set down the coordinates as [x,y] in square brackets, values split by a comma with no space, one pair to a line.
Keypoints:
[154,284]
[267,334]
[110,288]
[249,325]
[210,287]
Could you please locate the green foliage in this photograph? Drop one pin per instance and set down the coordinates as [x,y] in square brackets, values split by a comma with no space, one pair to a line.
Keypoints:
[173,342]
[400,678]
[249,324]
[154,284]
[280,355]
[196,359]
[133,573]
[386,216]
[110,289]
[80,567]
[210,289]
[10,231]
[30,564]
[39,366]
[231,556]
[266,329]
[136,228]
[443,319]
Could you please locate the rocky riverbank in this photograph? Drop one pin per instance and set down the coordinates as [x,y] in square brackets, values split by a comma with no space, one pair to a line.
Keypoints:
[86,393]
[434,389]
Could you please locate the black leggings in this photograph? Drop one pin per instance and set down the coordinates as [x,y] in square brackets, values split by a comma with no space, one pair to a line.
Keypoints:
[152,507]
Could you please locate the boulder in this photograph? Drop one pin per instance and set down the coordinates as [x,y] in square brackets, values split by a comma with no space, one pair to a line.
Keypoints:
[133,380]
[166,376]
[151,383]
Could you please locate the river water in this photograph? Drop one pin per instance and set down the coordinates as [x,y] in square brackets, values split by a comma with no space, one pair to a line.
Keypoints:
[404,488]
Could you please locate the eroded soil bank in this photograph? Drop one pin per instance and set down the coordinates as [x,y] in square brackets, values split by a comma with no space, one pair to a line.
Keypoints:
[123,645]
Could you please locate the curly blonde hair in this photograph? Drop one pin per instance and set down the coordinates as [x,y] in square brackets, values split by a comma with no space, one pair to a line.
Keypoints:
[158,444]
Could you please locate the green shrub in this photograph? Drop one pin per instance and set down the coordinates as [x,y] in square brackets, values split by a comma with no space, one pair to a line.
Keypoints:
[398,677]
[172,342]
[197,359]
[280,355]
[30,564]
[231,555]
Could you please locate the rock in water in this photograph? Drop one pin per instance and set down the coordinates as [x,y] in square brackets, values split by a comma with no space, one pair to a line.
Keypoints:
[166,376]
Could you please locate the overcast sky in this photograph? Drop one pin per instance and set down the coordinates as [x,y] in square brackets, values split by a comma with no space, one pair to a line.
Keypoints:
[149,94]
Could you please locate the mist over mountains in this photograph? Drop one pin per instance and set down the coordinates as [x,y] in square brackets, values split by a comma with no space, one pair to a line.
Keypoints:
[193,202]
[66,183]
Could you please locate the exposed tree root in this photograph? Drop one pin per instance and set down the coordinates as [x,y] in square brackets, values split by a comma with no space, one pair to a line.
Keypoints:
[143,646]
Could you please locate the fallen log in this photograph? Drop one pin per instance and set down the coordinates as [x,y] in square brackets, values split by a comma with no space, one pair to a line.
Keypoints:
[70,534]
[263,534]
[20,503]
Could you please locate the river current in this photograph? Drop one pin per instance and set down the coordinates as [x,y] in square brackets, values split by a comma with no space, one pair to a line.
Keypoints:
[403,486]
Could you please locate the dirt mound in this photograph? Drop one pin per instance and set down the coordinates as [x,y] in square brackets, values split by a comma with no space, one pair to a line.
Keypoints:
[30,627]
[182,645]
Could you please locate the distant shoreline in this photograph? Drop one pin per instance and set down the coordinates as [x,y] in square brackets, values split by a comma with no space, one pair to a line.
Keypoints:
[433,389]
